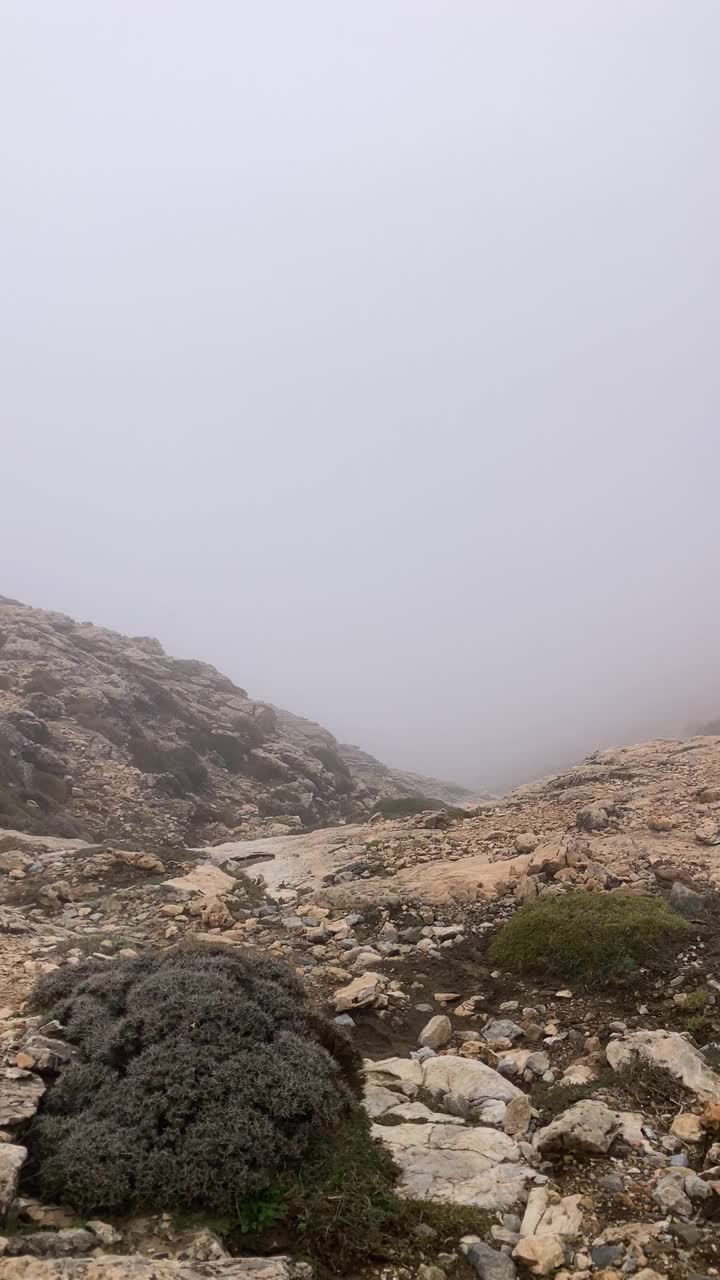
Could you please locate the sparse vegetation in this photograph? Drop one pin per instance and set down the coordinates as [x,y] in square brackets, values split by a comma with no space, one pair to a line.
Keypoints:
[343,1208]
[407,806]
[589,936]
[182,765]
[202,1079]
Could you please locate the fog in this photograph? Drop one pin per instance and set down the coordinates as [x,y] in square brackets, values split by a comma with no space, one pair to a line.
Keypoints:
[369,351]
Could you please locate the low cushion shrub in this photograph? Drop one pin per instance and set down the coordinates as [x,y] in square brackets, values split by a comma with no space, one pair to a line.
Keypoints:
[588,936]
[202,1078]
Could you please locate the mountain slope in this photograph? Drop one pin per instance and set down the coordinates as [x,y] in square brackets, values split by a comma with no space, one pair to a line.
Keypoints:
[106,736]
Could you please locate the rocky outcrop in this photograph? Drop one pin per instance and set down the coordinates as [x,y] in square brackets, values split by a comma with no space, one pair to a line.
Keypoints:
[139,1268]
[104,735]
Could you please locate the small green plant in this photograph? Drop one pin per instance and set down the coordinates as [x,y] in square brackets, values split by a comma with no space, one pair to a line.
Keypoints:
[589,936]
[343,1211]
[256,1213]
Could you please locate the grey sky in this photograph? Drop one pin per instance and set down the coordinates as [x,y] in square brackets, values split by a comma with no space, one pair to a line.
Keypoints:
[369,350]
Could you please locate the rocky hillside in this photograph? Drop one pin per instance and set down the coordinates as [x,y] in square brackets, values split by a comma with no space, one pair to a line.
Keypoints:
[574,1125]
[104,735]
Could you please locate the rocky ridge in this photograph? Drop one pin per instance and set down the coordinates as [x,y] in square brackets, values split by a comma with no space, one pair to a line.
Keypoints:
[106,735]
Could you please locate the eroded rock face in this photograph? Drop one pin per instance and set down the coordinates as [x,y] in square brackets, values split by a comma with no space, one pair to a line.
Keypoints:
[671,1051]
[20,1094]
[12,1159]
[470,1166]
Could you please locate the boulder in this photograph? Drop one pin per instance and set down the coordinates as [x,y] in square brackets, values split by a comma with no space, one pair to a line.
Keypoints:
[473,1080]
[689,902]
[593,818]
[67,1242]
[526,842]
[456,1165]
[547,859]
[587,1128]
[436,1033]
[405,1074]
[670,1050]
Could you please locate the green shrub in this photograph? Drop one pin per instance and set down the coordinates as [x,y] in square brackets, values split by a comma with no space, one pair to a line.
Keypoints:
[202,1078]
[588,936]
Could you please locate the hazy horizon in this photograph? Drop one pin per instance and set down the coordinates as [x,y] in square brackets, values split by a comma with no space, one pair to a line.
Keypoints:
[368,352]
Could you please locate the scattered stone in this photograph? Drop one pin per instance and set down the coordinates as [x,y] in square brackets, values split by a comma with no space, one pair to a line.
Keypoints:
[587,1128]
[518,1112]
[687,901]
[607,1255]
[360,993]
[688,1127]
[502,1029]
[541,1254]
[708,832]
[670,1197]
[489,1263]
[436,1033]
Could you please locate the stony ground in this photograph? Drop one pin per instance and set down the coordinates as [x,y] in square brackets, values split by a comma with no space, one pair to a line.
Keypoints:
[583,1125]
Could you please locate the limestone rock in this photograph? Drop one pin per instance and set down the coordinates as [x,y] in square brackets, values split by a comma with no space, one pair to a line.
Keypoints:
[470,1166]
[405,1074]
[473,1080]
[20,1094]
[541,1254]
[359,993]
[670,1050]
[436,1033]
[516,1120]
[12,1158]
[688,1127]
[587,1128]
[67,1242]
[136,1267]
[593,818]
